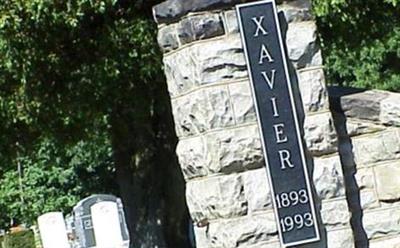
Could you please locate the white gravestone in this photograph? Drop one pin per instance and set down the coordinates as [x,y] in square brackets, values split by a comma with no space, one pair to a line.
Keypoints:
[53,231]
[106,225]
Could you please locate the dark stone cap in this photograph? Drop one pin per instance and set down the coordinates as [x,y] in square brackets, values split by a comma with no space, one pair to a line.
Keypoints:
[357,103]
[171,10]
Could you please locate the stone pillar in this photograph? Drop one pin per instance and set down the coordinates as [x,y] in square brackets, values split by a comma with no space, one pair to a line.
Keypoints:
[369,127]
[219,145]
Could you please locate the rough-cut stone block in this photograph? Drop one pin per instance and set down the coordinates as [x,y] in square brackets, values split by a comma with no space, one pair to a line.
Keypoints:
[296,11]
[320,134]
[356,127]
[301,40]
[341,238]
[180,71]
[313,90]
[328,177]
[200,27]
[243,232]
[221,113]
[193,157]
[231,22]
[364,178]
[167,38]
[220,60]
[205,63]
[378,147]
[242,101]
[257,190]
[364,105]
[393,242]
[235,150]
[387,181]
[203,110]
[190,114]
[368,200]
[335,214]
[381,223]
[390,110]
[217,197]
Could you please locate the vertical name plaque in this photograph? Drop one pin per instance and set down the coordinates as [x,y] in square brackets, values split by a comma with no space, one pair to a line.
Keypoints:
[279,126]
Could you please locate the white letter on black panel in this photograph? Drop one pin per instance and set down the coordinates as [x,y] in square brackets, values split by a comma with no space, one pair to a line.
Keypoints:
[258,21]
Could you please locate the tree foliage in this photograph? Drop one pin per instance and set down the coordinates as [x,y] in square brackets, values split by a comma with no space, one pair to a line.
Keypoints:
[361,42]
[82,99]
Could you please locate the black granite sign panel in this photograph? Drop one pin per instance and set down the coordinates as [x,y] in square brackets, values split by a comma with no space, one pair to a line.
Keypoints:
[279,126]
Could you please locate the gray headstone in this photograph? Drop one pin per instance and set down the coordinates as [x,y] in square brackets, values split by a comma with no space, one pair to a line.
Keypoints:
[83,220]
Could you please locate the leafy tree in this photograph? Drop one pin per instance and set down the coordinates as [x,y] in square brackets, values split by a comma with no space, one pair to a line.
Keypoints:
[82,95]
[361,42]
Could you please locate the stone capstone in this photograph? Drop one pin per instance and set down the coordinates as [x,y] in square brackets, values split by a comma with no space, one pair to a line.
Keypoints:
[364,105]
[171,10]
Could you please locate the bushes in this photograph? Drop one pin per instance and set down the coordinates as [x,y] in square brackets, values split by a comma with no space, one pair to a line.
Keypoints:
[23,239]
[361,42]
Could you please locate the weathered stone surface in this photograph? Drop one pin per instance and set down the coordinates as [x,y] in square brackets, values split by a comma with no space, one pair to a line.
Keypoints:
[390,110]
[203,110]
[378,147]
[355,127]
[387,181]
[341,238]
[223,60]
[335,213]
[180,71]
[167,38]
[257,190]
[393,242]
[301,41]
[216,197]
[171,10]
[235,150]
[243,232]
[328,177]
[368,200]
[296,11]
[199,27]
[201,234]
[320,134]
[205,63]
[231,22]
[313,90]
[191,114]
[383,222]
[193,157]
[242,101]
[221,113]
[365,178]
[364,105]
